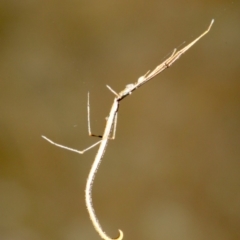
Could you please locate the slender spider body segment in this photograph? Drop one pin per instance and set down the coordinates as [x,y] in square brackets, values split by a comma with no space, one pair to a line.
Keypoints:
[111,128]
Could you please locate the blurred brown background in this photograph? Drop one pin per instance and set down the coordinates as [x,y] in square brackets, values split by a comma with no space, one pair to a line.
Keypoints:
[173,172]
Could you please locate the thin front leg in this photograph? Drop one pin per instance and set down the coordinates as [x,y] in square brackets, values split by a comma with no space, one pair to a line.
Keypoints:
[89,122]
[117,95]
[89,125]
[72,149]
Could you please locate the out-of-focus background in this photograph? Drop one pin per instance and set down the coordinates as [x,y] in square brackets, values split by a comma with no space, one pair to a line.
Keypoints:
[173,172]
